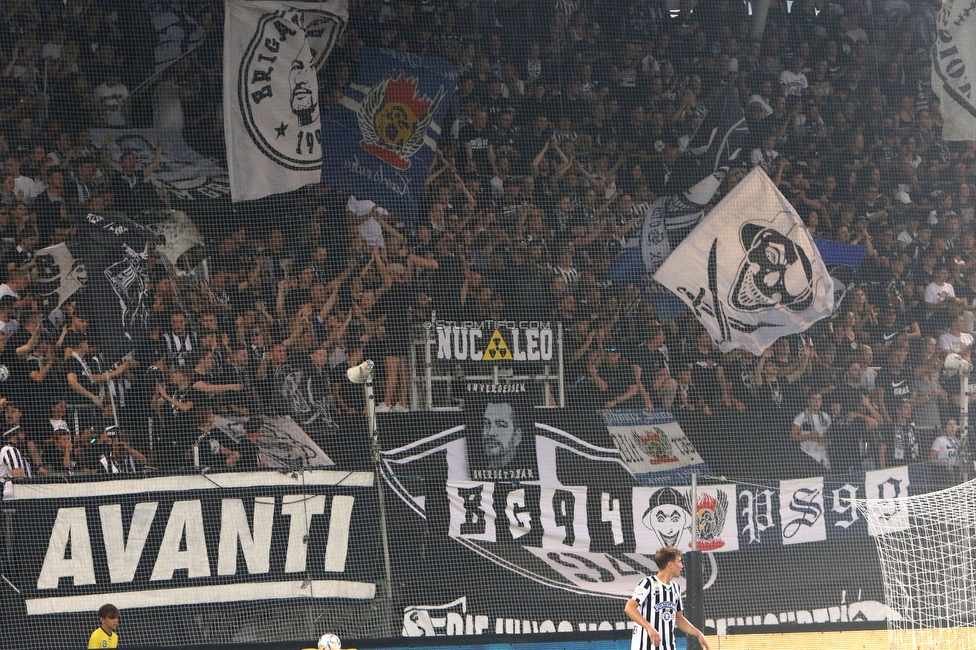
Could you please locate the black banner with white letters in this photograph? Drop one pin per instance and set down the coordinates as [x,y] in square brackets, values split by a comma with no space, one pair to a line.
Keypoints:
[501,519]
[554,537]
[255,556]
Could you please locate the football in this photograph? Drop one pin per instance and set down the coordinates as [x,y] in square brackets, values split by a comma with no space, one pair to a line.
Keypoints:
[329,642]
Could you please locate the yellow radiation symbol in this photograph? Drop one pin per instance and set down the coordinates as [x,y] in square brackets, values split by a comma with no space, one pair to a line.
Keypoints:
[497,349]
[395,123]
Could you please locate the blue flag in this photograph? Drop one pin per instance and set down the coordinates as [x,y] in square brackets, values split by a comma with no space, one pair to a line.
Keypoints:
[842,262]
[380,138]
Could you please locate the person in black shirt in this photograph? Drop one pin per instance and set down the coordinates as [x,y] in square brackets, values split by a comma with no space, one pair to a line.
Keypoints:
[22,255]
[130,189]
[249,449]
[62,453]
[614,379]
[892,385]
[707,372]
[856,422]
[899,441]
[215,448]
[656,382]
[15,381]
[890,327]
[476,141]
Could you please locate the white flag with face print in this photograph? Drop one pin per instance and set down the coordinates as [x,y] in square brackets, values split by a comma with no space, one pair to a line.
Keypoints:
[750,270]
[272,120]
[954,68]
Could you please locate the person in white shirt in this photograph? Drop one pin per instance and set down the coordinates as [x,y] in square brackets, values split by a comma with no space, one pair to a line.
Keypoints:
[810,429]
[939,290]
[25,188]
[945,448]
[956,339]
[945,455]
[765,155]
[112,94]
[793,78]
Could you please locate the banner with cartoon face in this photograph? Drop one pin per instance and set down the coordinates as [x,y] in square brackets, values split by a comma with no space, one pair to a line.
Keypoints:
[512,517]
[750,270]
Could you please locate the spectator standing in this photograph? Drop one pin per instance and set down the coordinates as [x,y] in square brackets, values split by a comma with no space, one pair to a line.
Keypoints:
[810,430]
[945,452]
[13,464]
[899,441]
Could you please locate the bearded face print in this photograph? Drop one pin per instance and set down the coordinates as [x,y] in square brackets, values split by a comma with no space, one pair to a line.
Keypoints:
[774,272]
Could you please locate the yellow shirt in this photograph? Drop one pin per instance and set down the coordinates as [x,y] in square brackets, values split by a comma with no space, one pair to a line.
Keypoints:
[99,639]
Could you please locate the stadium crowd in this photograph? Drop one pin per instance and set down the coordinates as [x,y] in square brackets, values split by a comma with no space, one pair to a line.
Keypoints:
[571,117]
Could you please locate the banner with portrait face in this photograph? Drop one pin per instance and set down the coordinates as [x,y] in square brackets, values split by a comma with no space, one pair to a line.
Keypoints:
[532,519]
[272,126]
[500,445]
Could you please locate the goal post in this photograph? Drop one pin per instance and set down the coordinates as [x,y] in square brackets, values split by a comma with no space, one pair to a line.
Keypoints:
[927,549]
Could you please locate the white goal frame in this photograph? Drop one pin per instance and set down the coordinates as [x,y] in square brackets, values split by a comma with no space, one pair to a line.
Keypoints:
[927,550]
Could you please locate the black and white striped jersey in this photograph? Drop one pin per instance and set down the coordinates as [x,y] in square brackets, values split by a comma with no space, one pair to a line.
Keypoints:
[659,603]
[11,459]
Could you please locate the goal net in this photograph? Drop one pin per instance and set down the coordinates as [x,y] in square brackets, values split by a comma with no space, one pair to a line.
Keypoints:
[926,548]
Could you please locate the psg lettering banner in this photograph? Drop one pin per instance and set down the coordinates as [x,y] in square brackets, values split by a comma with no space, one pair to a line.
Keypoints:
[546,500]
[383,133]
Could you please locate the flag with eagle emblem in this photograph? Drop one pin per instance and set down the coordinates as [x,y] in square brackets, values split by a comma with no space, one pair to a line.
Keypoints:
[383,133]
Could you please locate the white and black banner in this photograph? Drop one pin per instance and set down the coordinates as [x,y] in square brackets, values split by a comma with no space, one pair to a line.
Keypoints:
[282,444]
[171,550]
[750,270]
[177,33]
[653,445]
[179,233]
[272,120]
[564,519]
[115,251]
[59,276]
[954,68]
[185,173]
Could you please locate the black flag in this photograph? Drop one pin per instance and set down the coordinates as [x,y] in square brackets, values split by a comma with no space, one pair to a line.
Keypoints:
[721,133]
[115,251]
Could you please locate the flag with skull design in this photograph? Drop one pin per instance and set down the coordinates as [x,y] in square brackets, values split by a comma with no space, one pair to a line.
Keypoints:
[750,270]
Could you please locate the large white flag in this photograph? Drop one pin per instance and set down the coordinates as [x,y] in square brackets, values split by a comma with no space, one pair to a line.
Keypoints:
[954,68]
[750,270]
[272,51]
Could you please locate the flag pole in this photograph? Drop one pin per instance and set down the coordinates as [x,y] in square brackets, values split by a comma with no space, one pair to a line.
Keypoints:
[693,574]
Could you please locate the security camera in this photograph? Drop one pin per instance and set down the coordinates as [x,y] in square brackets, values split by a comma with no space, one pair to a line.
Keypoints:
[360,374]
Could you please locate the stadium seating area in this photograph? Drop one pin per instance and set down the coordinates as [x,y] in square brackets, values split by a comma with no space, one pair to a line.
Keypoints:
[571,118]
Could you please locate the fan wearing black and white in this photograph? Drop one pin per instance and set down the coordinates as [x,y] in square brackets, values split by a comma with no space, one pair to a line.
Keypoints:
[656,609]
[12,462]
